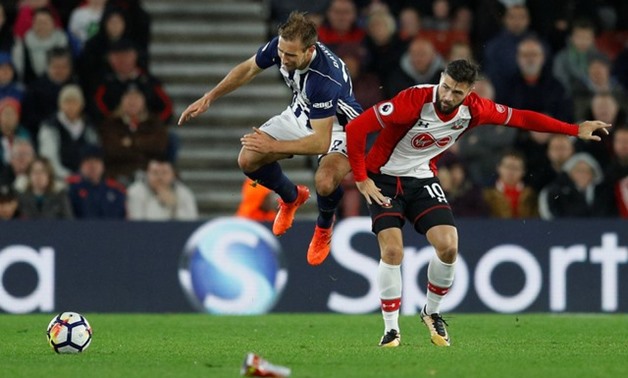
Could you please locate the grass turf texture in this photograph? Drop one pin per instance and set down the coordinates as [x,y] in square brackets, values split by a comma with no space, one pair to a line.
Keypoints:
[322,345]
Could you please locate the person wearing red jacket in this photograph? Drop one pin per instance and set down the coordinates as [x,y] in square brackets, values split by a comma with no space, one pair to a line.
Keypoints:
[398,177]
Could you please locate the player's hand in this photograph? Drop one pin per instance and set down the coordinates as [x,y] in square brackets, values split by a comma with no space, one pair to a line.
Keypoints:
[197,107]
[258,141]
[588,128]
[372,193]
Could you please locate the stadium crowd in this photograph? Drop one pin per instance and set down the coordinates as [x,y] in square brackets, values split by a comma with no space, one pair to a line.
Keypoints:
[84,124]
[565,58]
[82,118]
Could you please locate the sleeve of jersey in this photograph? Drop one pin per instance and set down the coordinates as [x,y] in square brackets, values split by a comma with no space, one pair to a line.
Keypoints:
[492,113]
[357,130]
[534,121]
[267,55]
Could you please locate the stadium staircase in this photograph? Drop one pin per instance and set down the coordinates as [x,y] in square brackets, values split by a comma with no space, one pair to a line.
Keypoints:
[194,44]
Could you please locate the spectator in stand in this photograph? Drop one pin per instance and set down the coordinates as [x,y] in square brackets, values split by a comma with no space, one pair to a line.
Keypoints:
[16,173]
[599,80]
[463,21]
[500,53]
[85,20]
[605,106]
[440,18]
[9,85]
[421,64]
[42,198]
[482,147]
[510,198]
[617,172]
[464,196]
[30,54]
[26,15]
[560,148]
[92,62]
[131,136]
[126,72]
[91,194]
[9,204]
[533,86]
[571,64]
[409,24]
[63,136]
[139,22]
[10,128]
[438,28]
[41,97]
[341,25]
[579,191]
[6,30]
[161,196]
[382,43]
[258,202]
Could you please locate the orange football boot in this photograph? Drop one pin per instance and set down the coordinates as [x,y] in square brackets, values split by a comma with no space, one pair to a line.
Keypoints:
[285,214]
[320,245]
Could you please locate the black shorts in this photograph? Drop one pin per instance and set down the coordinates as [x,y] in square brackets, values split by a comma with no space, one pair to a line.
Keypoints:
[420,201]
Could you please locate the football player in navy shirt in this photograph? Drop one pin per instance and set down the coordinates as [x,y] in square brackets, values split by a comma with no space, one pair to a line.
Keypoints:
[313,124]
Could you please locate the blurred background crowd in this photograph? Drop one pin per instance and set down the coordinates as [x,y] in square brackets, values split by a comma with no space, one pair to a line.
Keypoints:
[85,128]
[84,124]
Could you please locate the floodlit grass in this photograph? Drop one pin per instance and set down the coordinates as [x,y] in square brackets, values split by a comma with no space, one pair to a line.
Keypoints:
[322,345]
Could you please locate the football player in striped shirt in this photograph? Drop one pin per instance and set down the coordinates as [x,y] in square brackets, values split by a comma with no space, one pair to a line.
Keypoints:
[313,124]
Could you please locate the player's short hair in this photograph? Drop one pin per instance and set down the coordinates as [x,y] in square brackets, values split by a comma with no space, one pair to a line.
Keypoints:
[299,27]
[463,71]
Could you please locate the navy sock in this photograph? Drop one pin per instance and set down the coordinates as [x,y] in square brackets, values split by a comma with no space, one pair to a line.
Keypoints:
[272,177]
[327,206]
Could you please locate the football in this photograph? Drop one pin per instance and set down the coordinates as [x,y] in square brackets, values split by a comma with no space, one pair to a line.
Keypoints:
[69,332]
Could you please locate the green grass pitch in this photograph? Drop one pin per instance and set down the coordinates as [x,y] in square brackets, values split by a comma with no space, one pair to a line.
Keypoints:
[322,345]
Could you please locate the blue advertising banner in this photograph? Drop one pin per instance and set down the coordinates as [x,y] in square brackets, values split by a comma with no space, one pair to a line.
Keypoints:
[231,265]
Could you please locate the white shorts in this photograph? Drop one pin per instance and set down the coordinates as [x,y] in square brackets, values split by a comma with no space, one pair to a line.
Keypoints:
[286,127]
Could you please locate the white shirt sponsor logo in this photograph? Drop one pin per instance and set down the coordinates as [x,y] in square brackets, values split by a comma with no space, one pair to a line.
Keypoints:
[323,105]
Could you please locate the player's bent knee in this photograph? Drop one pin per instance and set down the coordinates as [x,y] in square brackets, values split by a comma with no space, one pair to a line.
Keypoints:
[325,185]
[246,163]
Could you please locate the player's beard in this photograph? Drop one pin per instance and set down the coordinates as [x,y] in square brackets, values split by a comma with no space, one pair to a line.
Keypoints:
[450,107]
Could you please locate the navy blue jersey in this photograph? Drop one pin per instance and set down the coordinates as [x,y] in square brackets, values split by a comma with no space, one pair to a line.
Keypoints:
[321,90]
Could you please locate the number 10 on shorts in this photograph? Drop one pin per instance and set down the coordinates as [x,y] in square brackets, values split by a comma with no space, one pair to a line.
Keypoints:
[435,191]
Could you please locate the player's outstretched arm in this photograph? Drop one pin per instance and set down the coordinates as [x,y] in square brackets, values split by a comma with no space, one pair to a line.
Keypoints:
[237,77]
[587,129]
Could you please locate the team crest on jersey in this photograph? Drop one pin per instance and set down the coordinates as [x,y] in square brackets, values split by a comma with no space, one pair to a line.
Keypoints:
[425,140]
[386,108]
[459,124]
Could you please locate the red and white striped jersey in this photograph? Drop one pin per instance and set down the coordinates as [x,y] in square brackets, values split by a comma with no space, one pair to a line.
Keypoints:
[413,133]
